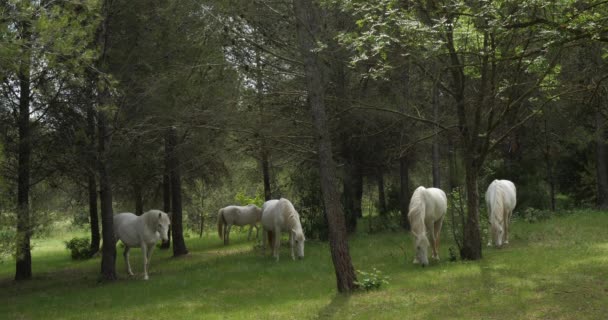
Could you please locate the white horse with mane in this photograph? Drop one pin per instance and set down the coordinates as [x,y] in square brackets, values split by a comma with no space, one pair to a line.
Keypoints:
[500,200]
[141,232]
[277,216]
[240,216]
[426,212]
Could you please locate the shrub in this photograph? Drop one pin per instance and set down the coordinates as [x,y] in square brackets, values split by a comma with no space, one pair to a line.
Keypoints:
[532,215]
[79,248]
[371,280]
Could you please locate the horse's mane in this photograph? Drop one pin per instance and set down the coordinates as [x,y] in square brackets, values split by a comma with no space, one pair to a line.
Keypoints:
[416,212]
[293,217]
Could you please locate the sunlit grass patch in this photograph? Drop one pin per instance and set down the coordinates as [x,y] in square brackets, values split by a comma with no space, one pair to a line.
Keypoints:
[553,269]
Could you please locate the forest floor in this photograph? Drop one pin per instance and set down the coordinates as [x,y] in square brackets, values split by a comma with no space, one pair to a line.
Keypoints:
[552,269]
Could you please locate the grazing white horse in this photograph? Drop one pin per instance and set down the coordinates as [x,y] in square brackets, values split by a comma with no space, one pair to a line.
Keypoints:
[141,232]
[500,200]
[426,212]
[240,216]
[277,216]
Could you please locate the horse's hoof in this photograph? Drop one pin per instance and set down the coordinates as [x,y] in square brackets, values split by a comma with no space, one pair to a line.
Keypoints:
[146,278]
[415,261]
[506,242]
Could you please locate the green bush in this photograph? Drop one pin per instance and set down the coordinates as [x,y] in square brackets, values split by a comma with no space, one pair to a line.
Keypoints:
[371,280]
[79,248]
[532,215]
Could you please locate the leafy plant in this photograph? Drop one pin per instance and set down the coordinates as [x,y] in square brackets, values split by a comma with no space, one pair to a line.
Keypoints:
[242,199]
[453,255]
[371,280]
[532,215]
[79,248]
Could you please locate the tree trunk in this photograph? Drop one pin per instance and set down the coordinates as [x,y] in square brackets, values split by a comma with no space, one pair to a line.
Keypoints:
[436,159]
[452,172]
[266,173]
[601,161]
[404,191]
[139,199]
[93,215]
[179,245]
[108,258]
[23,270]
[167,194]
[92,183]
[471,248]
[308,26]
[381,194]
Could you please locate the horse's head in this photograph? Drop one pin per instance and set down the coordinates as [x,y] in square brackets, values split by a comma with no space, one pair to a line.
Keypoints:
[497,233]
[163,226]
[422,246]
[299,239]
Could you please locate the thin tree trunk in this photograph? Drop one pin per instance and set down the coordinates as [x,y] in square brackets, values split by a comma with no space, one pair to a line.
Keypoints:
[308,25]
[358,186]
[471,248]
[549,166]
[266,173]
[179,244]
[23,270]
[381,194]
[92,183]
[601,161]
[139,199]
[404,191]
[167,195]
[436,159]
[452,172]
[108,257]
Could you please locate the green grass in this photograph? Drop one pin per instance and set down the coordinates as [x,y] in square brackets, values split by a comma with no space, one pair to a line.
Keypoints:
[554,269]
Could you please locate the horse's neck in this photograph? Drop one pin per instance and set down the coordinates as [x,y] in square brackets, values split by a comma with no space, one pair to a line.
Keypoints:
[293,222]
[418,226]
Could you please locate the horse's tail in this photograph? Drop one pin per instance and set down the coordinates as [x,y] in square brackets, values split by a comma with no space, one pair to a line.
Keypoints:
[220,223]
[497,203]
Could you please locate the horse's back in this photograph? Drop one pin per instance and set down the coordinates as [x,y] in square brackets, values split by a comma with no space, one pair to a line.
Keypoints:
[436,203]
[125,228]
[504,189]
[269,214]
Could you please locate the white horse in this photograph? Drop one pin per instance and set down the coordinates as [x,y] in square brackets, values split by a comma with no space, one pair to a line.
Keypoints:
[500,200]
[240,216]
[141,232]
[426,212]
[277,216]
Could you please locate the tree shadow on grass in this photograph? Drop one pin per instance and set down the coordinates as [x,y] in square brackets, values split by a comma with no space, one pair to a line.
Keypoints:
[337,304]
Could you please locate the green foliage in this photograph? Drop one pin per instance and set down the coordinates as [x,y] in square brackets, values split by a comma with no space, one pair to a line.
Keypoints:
[453,254]
[79,248]
[533,215]
[371,280]
[243,199]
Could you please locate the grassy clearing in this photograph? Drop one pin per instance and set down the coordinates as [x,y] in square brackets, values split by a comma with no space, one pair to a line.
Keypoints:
[555,269]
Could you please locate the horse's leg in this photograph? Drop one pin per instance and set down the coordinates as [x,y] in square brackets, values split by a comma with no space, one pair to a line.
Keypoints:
[277,243]
[150,250]
[144,253]
[228,228]
[264,241]
[126,255]
[506,226]
[291,244]
[249,235]
[437,231]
